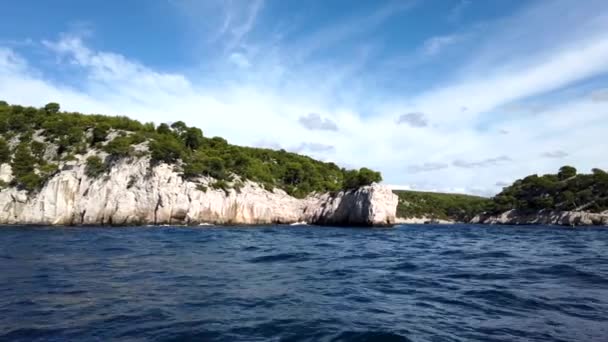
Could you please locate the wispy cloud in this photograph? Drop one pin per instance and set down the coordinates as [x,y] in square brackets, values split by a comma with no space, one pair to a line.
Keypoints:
[345,29]
[456,12]
[558,154]
[481,163]
[313,147]
[314,121]
[426,167]
[414,119]
[435,45]
[239,60]
[260,94]
[241,29]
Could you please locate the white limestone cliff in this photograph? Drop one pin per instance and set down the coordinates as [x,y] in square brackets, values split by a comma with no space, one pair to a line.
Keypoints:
[135,193]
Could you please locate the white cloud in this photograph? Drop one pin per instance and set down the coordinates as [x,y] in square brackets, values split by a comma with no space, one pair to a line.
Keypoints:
[434,45]
[481,163]
[313,147]
[555,154]
[314,121]
[484,93]
[414,119]
[426,167]
[262,104]
[239,60]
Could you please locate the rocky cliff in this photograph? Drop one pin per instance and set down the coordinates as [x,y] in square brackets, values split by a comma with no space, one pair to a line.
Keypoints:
[562,218]
[133,192]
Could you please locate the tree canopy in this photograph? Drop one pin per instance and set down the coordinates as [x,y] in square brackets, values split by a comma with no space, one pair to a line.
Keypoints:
[443,206]
[74,133]
[566,190]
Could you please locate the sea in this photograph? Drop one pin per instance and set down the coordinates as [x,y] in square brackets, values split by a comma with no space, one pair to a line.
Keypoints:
[304,283]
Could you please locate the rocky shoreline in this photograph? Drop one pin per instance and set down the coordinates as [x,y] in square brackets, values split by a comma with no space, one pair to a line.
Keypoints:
[136,193]
[514,217]
[548,217]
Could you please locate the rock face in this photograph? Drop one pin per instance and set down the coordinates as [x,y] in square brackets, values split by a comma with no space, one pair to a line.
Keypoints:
[134,193]
[563,218]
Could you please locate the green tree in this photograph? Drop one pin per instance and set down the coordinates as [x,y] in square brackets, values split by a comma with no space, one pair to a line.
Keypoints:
[294,174]
[52,108]
[38,149]
[163,128]
[5,152]
[74,135]
[179,127]
[165,148]
[566,172]
[23,160]
[367,176]
[214,167]
[17,122]
[193,138]
[24,166]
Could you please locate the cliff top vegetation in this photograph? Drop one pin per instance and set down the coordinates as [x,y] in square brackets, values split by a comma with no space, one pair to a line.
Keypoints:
[36,140]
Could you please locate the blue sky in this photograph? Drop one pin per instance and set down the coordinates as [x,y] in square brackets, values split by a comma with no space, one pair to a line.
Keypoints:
[449,95]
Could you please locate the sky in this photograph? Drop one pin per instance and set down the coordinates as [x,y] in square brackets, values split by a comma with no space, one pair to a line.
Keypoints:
[441,95]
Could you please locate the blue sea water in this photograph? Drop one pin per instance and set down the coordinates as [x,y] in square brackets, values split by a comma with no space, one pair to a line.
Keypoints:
[411,283]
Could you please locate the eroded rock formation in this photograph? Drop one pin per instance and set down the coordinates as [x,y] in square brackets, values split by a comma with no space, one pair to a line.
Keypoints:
[133,193]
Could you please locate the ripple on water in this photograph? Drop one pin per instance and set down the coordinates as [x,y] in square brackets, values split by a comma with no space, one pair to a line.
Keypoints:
[424,283]
[569,273]
[281,257]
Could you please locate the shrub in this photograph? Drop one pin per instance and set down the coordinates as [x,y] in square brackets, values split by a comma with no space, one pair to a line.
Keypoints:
[95,167]
[38,149]
[221,185]
[29,182]
[100,132]
[23,161]
[165,148]
[119,147]
[5,152]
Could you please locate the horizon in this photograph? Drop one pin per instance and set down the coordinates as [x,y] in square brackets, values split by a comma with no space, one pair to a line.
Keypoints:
[458,96]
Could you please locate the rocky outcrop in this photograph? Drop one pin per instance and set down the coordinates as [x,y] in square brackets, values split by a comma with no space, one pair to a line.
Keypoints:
[134,193]
[562,218]
[367,206]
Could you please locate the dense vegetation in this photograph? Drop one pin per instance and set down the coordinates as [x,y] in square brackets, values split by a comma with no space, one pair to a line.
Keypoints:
[566,190]
[443,206]
[36,140]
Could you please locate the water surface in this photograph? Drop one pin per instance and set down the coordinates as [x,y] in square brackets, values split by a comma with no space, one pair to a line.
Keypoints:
[412,283]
